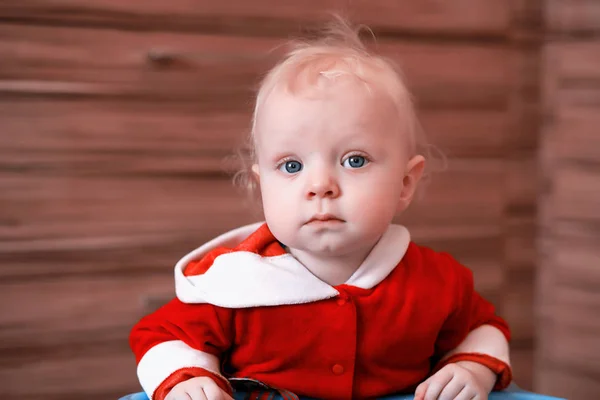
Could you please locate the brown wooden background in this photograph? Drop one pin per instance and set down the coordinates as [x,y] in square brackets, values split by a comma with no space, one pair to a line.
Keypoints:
[568,283]
[115,117]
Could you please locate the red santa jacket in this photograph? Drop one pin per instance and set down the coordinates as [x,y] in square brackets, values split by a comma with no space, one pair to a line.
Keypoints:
[243,303]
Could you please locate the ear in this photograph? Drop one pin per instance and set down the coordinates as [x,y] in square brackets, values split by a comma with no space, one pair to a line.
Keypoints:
[255,171]
[414,172]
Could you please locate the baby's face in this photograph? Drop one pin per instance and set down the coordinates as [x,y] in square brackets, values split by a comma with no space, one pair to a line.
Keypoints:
[331,168]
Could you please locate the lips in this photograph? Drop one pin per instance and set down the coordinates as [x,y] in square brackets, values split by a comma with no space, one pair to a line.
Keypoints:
[324,218]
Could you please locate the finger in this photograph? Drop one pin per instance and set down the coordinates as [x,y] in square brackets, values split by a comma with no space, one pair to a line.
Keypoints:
[437,383]
[420,392]
[452,389]
[467,394]
[177,395]
[196,393]
[214,392]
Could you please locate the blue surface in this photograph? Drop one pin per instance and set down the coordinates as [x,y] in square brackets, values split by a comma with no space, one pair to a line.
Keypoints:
[511,393]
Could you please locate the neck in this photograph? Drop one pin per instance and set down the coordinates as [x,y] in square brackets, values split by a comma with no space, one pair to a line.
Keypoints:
[332,269]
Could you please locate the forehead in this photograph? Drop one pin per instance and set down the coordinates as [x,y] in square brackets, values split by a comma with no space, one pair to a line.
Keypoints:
[345,105]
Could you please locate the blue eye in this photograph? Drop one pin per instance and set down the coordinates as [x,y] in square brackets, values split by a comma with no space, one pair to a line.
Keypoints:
[291,167]
[355,162]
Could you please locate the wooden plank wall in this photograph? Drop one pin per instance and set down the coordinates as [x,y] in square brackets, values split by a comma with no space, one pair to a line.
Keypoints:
[115,118]
[568,355]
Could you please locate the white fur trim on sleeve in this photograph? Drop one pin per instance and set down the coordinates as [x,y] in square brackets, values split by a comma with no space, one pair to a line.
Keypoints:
[167,357]
[486,339]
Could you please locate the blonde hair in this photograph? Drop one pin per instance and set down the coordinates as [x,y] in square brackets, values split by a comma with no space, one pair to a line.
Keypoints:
[336,51]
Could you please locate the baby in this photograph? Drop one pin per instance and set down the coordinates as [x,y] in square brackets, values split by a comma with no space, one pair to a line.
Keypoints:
[326,299]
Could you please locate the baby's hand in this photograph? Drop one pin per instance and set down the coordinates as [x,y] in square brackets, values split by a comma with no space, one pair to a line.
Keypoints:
[201,388]
[458,381]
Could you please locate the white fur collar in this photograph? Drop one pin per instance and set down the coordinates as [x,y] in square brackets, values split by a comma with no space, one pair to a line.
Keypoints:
[245,279]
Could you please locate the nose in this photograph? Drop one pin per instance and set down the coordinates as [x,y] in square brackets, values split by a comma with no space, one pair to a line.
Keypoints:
[322,184]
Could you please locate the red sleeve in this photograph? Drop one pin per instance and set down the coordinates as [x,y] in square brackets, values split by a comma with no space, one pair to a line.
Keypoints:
[180,341]
[470,312]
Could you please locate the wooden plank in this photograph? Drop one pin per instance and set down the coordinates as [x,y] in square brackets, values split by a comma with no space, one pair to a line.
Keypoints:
[65,125]
[520,251]
[578,60]
[520,261]
[572,136]
[220,72]
[48,207]
[568,359]
[523,136]
[572,17]
[565,382]
[520,194]
[567,302]
[266,17]
[527,20]
[443,200]
[88,62]
[579,306]
[571,99]
[463,16]
[577,351]
[575,94]
[78,310]
[474,76]
[577,260]
[570,319]
[84,376]
[67,330]
[521,184]
[517,309]
[460,133]
[522,363]
[72,128]
[576,195]
[109,163]
[524,103]
[117,254]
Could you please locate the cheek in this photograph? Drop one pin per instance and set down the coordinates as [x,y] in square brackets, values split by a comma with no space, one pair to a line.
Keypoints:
[280,213]
[381,195]
[276,202]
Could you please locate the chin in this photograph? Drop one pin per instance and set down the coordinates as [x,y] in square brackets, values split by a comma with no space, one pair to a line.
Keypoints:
[332,249]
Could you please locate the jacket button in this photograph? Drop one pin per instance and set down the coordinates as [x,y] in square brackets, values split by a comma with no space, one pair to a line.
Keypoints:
[341,301]
[337,369]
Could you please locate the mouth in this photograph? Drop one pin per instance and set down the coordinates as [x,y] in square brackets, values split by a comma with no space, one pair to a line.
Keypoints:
[324,218]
